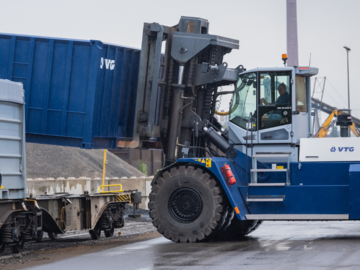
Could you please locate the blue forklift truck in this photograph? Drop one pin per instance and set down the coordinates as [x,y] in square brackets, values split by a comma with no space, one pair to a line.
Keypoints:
[217,182]
[264,166]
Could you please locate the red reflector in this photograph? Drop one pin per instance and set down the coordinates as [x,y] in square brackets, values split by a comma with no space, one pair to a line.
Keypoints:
[228,174]
[303,67]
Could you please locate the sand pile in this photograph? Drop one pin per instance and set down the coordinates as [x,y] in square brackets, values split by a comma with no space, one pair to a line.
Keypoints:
[45,161]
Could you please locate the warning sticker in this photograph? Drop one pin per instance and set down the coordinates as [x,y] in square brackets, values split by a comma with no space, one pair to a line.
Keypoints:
[208,163]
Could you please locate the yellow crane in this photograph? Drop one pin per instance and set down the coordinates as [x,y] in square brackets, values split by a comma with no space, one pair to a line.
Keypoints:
[329,123]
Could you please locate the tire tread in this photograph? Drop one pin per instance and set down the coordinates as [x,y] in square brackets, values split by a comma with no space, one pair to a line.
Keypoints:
[215,190]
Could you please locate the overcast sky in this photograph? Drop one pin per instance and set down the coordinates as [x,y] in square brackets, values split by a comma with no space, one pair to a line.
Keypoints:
[324,27]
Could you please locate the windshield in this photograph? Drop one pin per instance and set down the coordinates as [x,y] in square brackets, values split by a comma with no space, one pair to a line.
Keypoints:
[275,99]
[244,101]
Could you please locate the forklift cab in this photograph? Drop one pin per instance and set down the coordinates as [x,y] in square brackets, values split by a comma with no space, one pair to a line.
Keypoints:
[272,104]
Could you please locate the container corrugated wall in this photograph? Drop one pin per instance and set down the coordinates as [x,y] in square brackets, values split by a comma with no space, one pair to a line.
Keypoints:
[12,141]
[77,93]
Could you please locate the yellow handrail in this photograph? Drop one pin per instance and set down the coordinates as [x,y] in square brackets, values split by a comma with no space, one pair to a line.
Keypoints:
[222,113]
[111,191]
[228,112]
[104,169]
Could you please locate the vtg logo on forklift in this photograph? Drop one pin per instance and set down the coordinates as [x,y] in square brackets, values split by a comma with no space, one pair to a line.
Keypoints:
[109,64]
[341,149]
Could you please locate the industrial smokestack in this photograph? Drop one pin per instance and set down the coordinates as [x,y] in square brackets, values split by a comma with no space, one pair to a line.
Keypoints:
[291,34]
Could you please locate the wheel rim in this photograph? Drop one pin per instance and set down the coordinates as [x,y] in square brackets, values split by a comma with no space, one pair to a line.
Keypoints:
[185,205]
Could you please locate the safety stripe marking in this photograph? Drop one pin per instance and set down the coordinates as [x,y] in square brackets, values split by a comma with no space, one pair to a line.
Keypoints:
[122,198]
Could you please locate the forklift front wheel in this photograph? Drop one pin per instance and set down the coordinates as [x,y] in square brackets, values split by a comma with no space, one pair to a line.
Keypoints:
[186,204]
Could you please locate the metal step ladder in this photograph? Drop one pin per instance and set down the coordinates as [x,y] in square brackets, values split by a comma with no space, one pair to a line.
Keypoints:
[254,174]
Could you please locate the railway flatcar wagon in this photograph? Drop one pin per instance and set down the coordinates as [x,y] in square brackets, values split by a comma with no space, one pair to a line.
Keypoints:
[24,218]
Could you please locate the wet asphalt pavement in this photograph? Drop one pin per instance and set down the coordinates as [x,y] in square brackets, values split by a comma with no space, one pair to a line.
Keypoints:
[275,245]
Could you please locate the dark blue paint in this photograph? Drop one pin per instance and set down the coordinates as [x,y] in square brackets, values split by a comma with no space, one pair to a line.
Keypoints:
[320,173]
[316,188]
[69,99]
[354,179]
[324,199]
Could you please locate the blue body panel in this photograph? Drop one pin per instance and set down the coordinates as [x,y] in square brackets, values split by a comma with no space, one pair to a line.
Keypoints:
[354,179]
[78,93]
[315,187]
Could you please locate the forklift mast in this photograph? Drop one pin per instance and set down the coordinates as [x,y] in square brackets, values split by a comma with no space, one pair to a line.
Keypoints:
[181,68]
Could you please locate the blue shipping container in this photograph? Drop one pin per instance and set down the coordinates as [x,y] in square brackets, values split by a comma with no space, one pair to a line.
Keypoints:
[77,93]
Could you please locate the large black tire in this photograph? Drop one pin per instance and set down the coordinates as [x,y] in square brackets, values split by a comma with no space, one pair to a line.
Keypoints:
[219,233]
[186,204]
[238,229]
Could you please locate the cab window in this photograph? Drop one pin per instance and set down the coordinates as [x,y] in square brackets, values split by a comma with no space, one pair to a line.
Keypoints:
[300,91]
[274,99]
[244,102]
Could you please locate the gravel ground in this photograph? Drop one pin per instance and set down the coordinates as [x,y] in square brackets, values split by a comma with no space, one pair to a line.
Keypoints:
[133,228]
[45,161]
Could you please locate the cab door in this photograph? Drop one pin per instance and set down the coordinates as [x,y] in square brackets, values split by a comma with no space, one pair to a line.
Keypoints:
[243,111]
[275,106]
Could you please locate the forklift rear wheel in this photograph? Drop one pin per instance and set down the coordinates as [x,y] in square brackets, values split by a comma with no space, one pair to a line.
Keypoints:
[186,204]
[218,234]
[239,228]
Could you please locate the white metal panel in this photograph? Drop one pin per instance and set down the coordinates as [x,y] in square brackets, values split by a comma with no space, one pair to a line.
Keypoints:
[239,135]
[12,141]
[287,128]
[300,126]
[11,91]
[329,149]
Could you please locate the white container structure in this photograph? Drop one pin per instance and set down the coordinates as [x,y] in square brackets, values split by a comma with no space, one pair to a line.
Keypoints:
[12,141]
